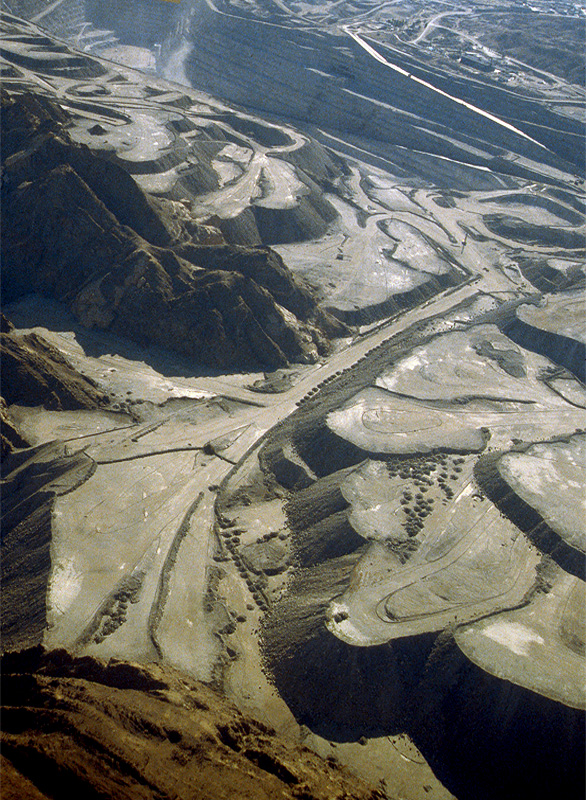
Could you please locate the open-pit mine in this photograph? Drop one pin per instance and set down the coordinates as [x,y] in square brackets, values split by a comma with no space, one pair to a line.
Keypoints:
[293,399]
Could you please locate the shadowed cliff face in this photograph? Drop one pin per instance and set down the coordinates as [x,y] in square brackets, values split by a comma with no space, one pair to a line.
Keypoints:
[484,737]
[488,738]
[27,504]
[35,373]
[79,229]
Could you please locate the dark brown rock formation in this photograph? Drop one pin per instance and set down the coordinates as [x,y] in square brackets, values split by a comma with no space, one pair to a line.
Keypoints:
[32,481]
[35,373]
[119,730]
[80,230]
[10,437]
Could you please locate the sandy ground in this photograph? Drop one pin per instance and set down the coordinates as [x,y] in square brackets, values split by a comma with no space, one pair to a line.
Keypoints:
[470,562]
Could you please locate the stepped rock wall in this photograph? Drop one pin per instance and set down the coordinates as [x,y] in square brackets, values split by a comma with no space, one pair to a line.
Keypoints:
[330,80]
[142,22]
[63,17]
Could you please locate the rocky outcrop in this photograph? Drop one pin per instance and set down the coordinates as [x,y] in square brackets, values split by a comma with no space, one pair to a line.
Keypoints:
[80,230]
[34,373]
[10,437]
[339,691]
[32,480]
[464,718]
[547,279]
[268,270]
[117,729]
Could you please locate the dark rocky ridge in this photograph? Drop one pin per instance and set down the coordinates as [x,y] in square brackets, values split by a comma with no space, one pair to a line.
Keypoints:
[318,519]
[95,241]
[519,230]
[35,373]
[193,146]
[122,730]
[10,437]
[32,479]
[340,692]
[464,720]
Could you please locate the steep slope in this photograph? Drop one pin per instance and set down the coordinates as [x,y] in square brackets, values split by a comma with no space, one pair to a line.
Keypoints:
[79,230]
[33,479]
[119,730]
[330,78]
[35,373]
